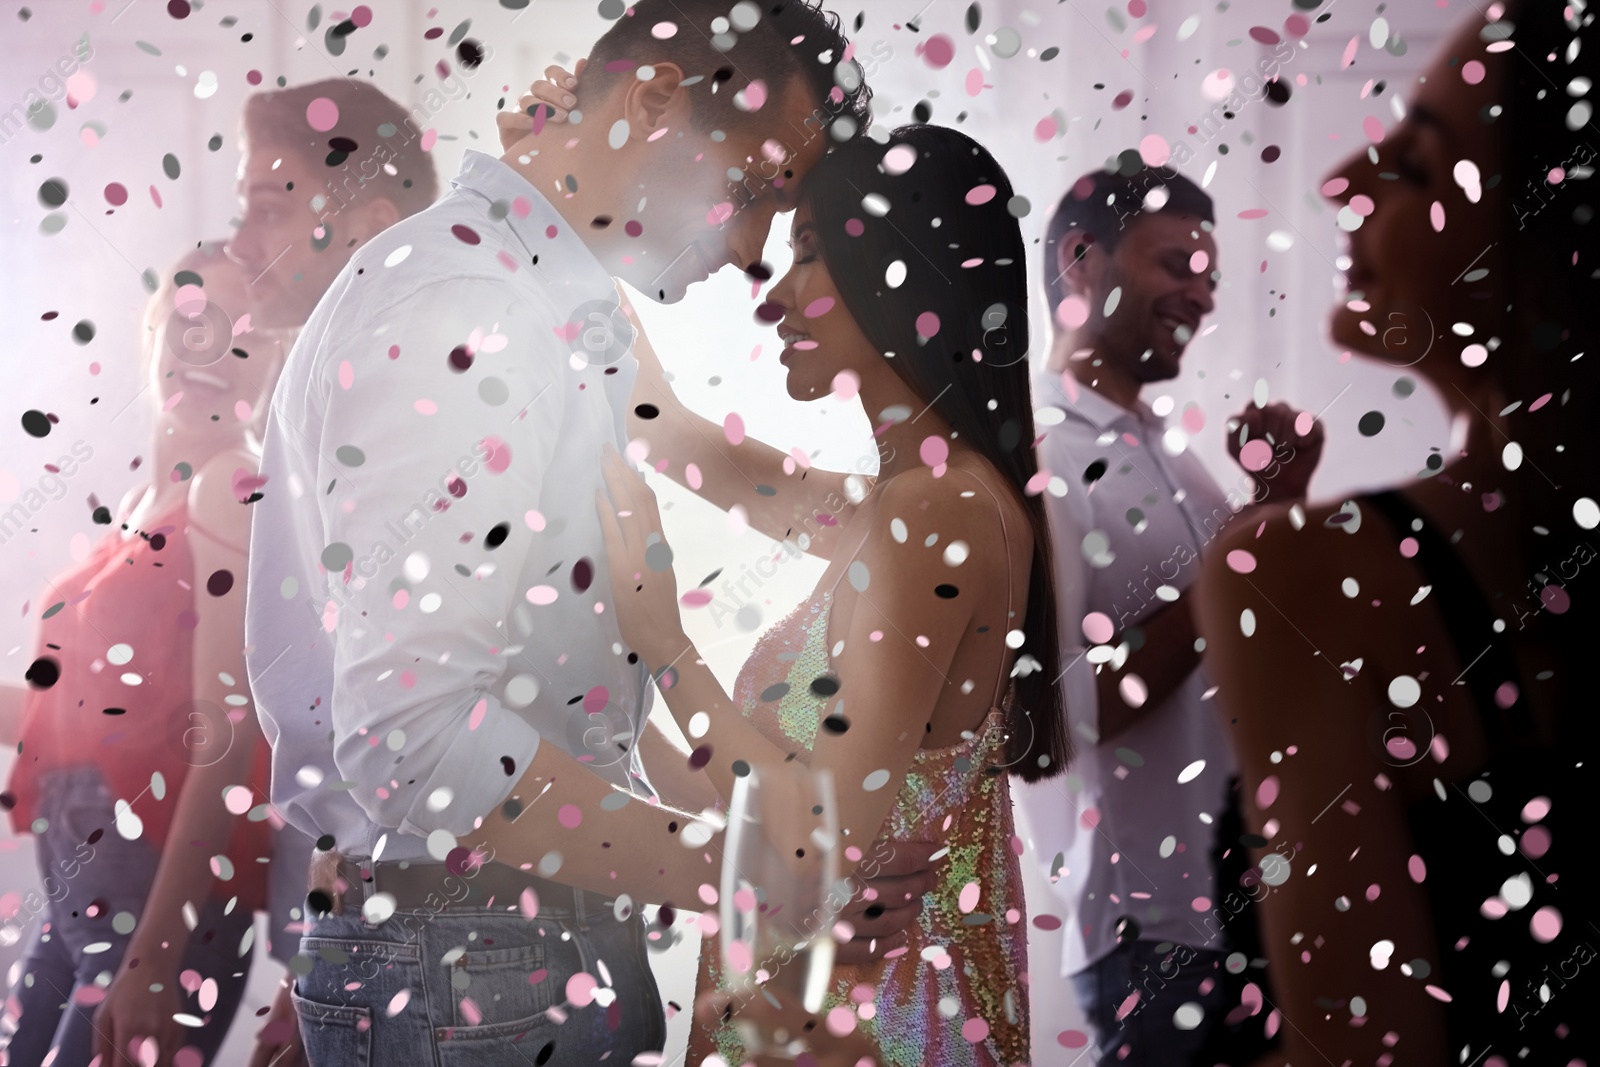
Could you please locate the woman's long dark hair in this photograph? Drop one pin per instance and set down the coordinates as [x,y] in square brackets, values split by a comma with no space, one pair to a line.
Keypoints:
[948,218]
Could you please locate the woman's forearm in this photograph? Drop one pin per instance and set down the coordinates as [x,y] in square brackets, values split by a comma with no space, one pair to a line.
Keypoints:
[689,688]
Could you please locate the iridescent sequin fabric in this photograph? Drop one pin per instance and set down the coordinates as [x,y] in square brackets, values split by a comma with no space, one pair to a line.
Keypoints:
[957,994]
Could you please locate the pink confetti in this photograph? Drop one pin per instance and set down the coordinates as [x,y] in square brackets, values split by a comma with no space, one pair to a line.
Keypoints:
[570,816]
[938,52]
[738,954]
[1128,1004]
[479,709]
[1349,56]
[1535,842]
[1242,562]
[1097,627]
[975,1030]
[397,1003]
[1256,455]
[528,904]
[347,374]
[754,95]
[980,194]
[426,407]
[581,988]
[1072,1039]
[1417,869]
[818,307]
[542,595]
[1072,312]
[1436,217]
[1536,809]
[470,1012]
[1372,126]
[927,324]
[1472,72]
[246,482]
[968,899]
[1253,213]
[1267,792]
[1045,128]
[696,598]
[841,1021]
[1153,149]
[692,475]
[974,81]
[733,428]
[934,450]
[535,520]
[846,384]
[322,114]
[499,455]
[429,137]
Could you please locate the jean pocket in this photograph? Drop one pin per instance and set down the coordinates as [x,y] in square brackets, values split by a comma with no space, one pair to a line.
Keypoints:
[500,992]
[334,1033]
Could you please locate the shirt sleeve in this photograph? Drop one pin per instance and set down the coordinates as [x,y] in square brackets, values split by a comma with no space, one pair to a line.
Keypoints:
[1071,518]
[414,481]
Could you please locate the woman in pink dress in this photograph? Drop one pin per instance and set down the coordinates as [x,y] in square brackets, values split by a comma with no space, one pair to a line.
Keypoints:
[141,771]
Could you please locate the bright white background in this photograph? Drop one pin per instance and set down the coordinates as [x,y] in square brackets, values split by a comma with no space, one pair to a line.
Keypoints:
[1268,326]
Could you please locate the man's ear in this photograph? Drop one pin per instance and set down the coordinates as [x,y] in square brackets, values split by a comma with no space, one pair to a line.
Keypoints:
[655,104]
[1078,260]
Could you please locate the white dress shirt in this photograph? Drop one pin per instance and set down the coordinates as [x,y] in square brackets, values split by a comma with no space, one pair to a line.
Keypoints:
[427,568]
[1121,836]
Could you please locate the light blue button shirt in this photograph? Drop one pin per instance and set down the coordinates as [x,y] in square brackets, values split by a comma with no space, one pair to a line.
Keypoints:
[426,565]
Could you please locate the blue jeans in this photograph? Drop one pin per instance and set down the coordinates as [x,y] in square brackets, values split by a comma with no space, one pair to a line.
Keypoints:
[470,987]
[85,886]
[1166,977]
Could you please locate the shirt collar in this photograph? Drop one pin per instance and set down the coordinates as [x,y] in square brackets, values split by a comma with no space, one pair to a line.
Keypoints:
[533,219]
[1093,408]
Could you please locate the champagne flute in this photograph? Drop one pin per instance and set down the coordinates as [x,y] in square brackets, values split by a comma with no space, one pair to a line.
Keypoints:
[779,901]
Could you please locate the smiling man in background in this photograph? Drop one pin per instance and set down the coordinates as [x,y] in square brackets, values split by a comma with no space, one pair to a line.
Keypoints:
[1130,269]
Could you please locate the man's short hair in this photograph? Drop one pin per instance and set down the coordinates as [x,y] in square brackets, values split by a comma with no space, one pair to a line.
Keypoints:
[789,39]
[1104,203]
[373,140]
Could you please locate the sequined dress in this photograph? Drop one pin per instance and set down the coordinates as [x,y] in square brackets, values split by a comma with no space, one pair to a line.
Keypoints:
[957,994]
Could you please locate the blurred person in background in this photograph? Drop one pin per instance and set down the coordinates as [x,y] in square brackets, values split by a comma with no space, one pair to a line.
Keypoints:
[1414,705]
[140,662]
[1131,265]
[216,335]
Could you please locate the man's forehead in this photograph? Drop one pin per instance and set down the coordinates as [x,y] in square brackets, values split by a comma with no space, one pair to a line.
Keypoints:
[1157,229]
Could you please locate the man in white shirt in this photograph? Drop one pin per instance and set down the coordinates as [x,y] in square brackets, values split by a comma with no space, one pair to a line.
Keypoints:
[1128,833]
[427,586]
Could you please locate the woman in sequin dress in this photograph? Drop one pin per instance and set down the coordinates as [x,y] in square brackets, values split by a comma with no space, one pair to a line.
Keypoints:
[919,669]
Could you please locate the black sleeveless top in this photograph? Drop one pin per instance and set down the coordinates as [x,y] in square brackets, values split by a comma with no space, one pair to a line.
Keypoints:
[1515,912]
